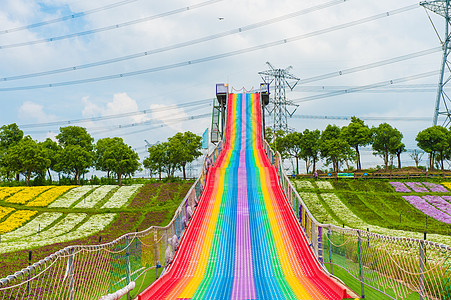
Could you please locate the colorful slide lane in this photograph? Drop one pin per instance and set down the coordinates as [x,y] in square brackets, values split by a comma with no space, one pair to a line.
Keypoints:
[243,241]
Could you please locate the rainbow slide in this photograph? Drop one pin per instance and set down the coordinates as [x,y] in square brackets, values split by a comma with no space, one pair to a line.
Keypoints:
[243,241]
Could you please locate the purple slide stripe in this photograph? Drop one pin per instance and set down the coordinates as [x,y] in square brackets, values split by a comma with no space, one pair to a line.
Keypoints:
[243,283]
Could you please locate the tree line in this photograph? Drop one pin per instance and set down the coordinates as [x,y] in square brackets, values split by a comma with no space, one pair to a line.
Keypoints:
[340,147]
[74,153]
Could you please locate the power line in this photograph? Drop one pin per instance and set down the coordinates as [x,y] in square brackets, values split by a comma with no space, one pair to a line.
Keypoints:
[116,116]
[366,87]
[348,118]
[214,57]
[111,27]
[420,88]
[371,65]
[178,45]
[68,17]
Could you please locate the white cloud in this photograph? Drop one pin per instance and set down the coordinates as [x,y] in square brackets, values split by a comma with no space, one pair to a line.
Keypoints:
[33,112]
[167,114]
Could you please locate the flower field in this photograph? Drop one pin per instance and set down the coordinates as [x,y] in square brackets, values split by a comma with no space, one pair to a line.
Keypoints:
[49,196]
[389,208]
[96,196]
[16,219]
[26,194]
[80,215]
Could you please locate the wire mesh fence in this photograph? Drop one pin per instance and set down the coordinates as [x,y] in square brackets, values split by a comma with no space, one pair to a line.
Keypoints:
[394,266]
[109,270]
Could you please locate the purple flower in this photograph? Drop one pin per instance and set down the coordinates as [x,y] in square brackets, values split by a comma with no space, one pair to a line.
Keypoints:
[417,187]
[428,209]
[435,187]
[439,202]
[400,187]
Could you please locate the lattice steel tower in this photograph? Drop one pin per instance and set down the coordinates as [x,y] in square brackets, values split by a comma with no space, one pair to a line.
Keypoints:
[281,79]
[443,101]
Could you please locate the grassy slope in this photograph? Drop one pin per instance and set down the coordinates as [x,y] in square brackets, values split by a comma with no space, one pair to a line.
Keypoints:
[154,204]
[376,203]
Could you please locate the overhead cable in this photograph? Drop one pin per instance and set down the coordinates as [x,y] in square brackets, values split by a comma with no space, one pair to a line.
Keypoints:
[68,17]
[116,116]
[178,45]
[211,58]
[370,66]
[366,87]
[348,118]
[111,27]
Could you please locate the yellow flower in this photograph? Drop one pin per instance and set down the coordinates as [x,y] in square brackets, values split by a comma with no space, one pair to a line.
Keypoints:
[49,196]
[4,211]
[15,220]
[27,194]
[8,191]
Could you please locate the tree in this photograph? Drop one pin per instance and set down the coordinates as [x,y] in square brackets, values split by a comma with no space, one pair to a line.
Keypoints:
[400,148]
[75,135]
[417,157]
[334,148]
[113,155]
[74,159]
[292,145]
[156,159]
[51,150]
[184,148]
[9,136]
[357,134]
[28,158]
[435,141]
[310,150]
[76,156]
[386,141]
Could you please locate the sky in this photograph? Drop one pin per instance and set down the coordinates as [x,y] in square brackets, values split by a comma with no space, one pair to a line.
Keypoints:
[182,48]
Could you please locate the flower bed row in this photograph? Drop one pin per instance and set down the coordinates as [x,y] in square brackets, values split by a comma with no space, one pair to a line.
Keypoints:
[27,194]
[96,196]
[4,211]
[8,191]
[428,209]
[316,208]
[305,184]
[122,196]
[41,222]
[15,220]
[93,224]
[49,196]
[418,187]
[71,197]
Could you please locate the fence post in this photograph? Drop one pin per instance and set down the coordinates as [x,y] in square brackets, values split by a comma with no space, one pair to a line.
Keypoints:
[70,274]
[127,264]
[330,252]
[320,244]
[359,247]
[421,281]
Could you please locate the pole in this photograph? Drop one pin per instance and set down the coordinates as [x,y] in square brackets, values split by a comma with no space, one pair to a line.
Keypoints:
[362,286]
[30,254]
[330,252]
[127,265]
[421,281]
[71,274]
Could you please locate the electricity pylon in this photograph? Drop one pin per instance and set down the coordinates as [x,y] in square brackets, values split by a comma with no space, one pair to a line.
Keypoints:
[281,79]
[443,101]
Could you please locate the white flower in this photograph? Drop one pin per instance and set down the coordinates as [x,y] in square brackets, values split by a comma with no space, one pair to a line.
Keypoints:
[324,185]
[39,223]
[122,196]
[71,197]
[303,184]
[97,195]
[92,225]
